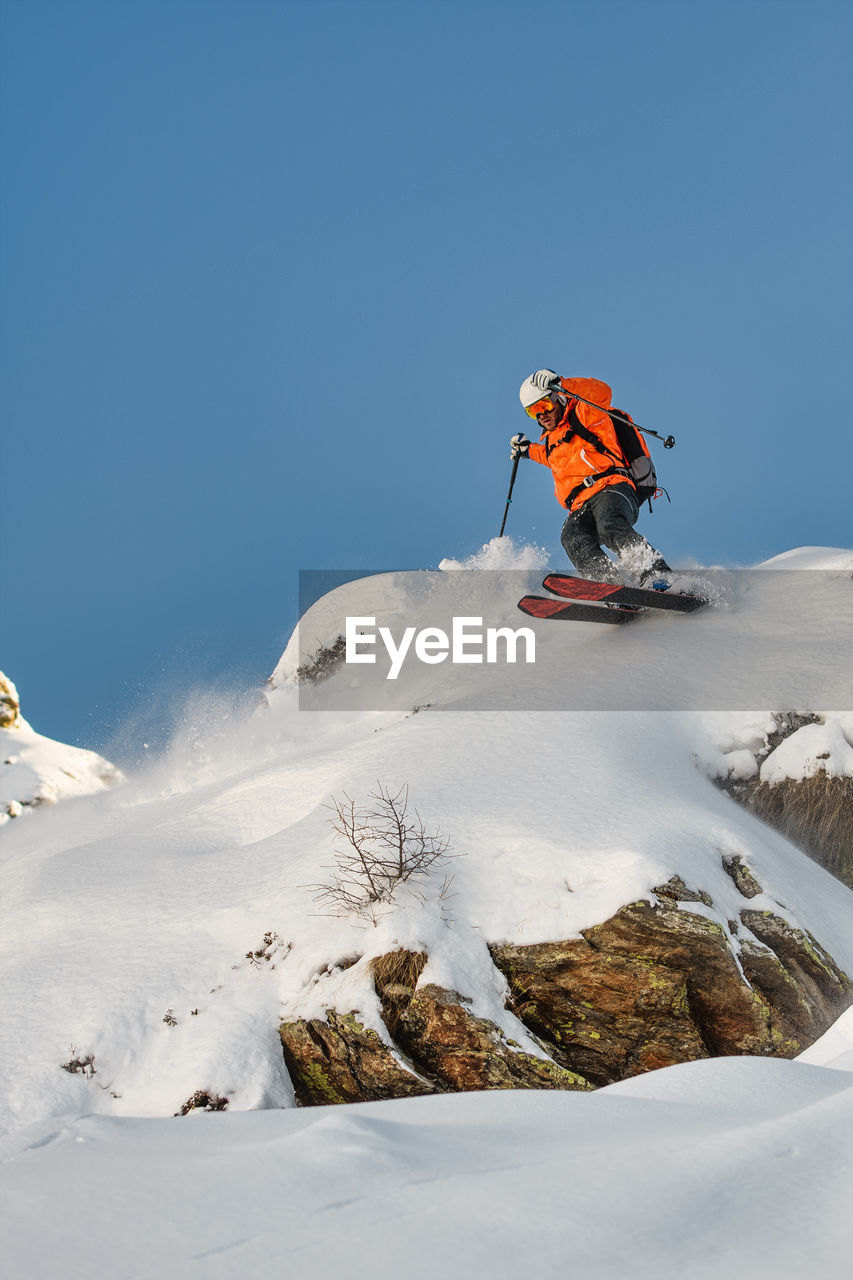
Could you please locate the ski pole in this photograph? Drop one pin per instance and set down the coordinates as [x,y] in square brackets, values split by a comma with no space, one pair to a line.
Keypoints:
[668,441]
[509,495]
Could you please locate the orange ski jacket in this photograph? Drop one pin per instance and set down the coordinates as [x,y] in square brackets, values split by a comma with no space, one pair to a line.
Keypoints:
[576,462]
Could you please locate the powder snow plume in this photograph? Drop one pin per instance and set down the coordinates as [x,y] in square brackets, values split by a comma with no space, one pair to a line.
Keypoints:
[501,553]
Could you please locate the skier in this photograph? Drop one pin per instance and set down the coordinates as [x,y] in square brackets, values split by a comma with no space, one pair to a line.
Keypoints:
[580,445]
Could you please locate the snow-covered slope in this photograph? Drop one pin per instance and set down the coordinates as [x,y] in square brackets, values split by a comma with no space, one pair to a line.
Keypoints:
[737,1167]
[155,936]
[35,770]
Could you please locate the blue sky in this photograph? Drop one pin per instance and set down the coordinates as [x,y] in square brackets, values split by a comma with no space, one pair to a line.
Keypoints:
[272,273]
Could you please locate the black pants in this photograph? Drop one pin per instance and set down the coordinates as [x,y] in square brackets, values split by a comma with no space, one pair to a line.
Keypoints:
[608,519]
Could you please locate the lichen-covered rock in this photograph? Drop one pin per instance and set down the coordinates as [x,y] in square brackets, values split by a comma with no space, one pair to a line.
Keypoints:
[462,1051]
[652,986]
[790,1019]
[655,985]
[677,891]
[744,881]
[824,991]
[448,1048]
[340,1060]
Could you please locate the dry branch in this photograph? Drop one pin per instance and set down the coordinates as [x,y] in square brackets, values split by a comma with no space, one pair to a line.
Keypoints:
[378,848]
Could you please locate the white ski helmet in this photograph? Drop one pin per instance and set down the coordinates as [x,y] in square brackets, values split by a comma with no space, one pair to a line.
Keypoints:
[529,391]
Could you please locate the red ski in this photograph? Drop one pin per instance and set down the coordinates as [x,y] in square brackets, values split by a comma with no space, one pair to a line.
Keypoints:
[563,584]
[541,607]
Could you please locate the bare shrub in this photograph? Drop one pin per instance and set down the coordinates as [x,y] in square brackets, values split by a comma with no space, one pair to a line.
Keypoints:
[816,813]
[322,663]
[379,848]
[78,1065]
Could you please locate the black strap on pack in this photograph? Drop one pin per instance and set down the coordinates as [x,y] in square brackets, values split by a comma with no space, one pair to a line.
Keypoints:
[579,429]
[589,436]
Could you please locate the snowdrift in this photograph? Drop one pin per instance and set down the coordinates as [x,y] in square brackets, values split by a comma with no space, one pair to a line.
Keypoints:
[727,1167]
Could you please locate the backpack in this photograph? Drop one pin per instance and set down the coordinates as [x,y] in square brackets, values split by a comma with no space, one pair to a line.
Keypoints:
[635,462]
[636,454]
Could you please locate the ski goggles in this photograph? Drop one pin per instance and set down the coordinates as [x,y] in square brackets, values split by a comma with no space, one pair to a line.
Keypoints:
[545,405]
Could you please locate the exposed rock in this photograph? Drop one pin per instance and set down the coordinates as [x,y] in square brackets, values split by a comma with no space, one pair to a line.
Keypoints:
[745,881]
[823,988]
[802,985]
[203,1101]
[677,890]
[465,1052]
[10,704]
[816,813]
[815,810]
[790,1018]
[339,1060]
[450,1049]
[652,986]
[456,1048]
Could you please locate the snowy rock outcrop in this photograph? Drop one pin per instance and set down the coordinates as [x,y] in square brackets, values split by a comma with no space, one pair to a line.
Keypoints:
[796,773]
[823,747]
[35,770]
[446,1047]
[653,986]
[611,910]
[712,958]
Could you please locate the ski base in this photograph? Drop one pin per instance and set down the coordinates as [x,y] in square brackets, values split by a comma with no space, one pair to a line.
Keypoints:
[570,588]
[540,607]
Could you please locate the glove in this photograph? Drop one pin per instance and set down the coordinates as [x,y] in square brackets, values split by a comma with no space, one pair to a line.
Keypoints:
[545,379]
[519,445]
